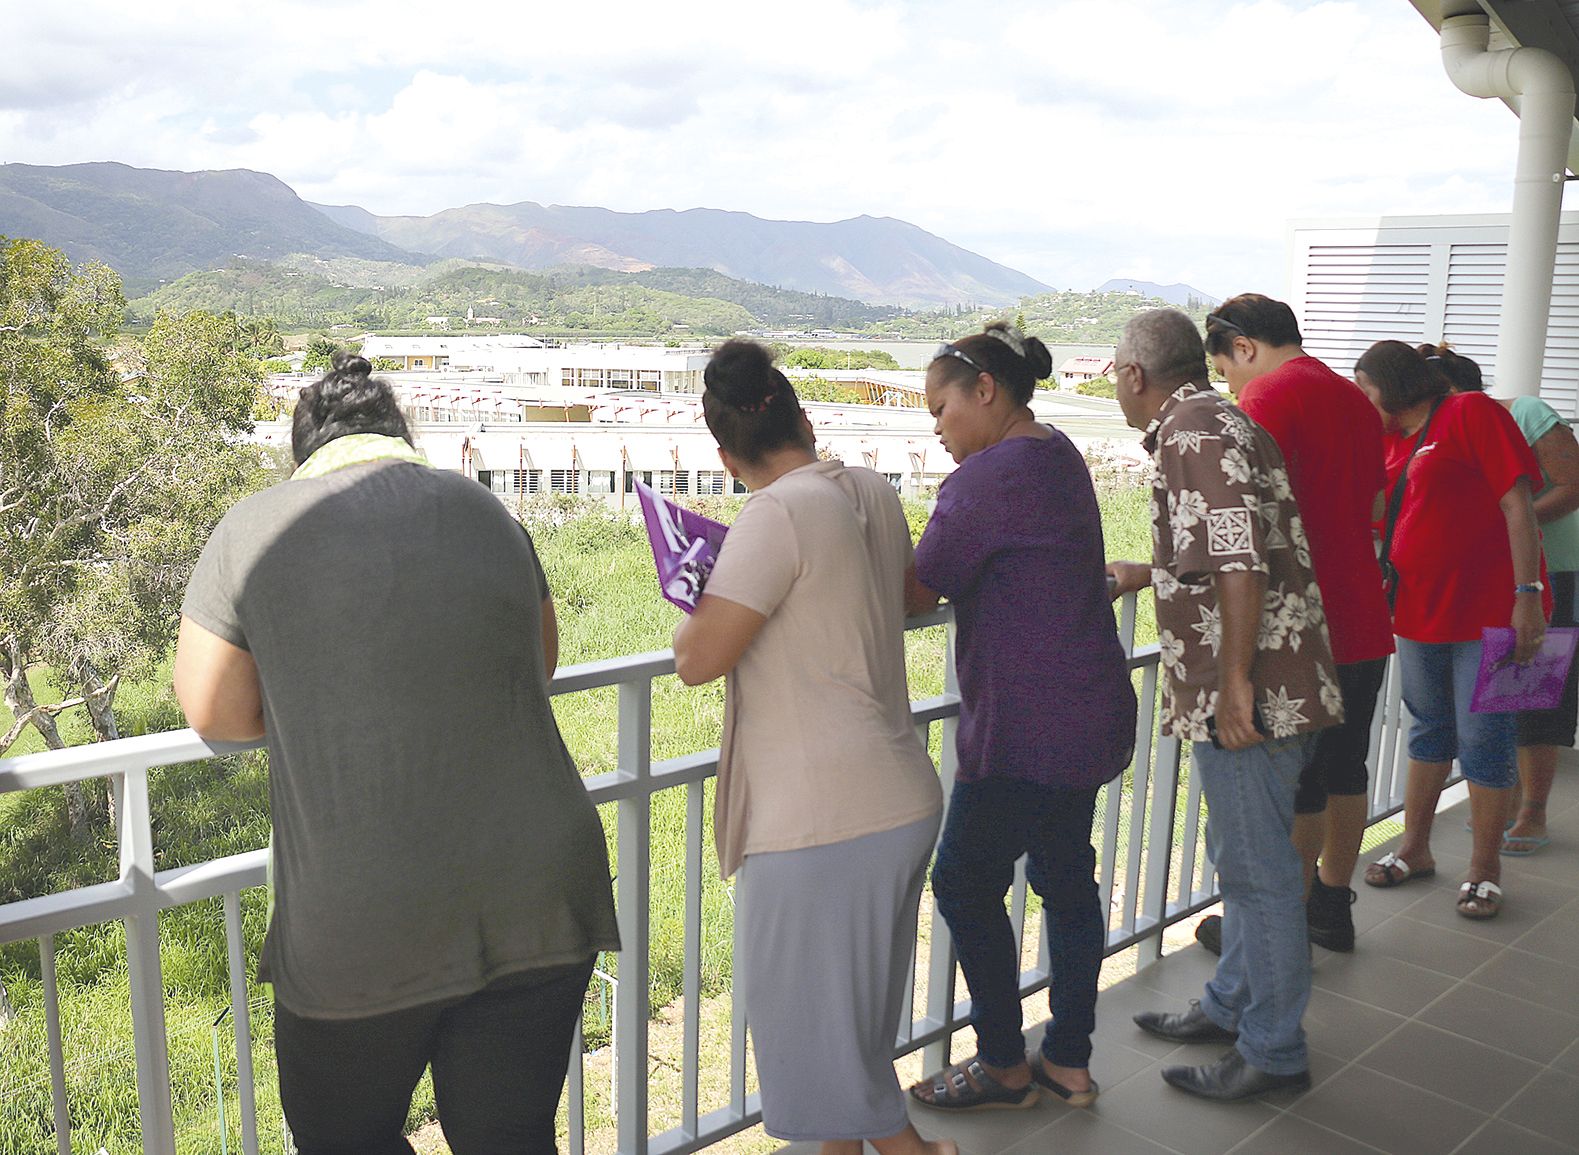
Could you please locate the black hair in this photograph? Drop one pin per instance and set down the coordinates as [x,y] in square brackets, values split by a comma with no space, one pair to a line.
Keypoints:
[750,406]
[1014,361]
[1254,316]
[1461,373]
[347,399]
[1401,375]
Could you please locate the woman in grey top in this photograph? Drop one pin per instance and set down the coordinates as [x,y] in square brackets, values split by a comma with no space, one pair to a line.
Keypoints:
[441,880]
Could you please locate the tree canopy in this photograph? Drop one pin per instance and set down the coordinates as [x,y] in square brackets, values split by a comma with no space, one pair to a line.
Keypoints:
[112,476]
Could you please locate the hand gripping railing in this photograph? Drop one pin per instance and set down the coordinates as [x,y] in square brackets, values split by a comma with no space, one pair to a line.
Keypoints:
[1152,863]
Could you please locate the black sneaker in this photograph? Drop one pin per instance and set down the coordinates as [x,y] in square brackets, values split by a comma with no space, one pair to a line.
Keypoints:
[1209,933]
[1327,915]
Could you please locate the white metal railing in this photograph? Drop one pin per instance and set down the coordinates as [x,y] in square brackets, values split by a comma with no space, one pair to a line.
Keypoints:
[1152,864]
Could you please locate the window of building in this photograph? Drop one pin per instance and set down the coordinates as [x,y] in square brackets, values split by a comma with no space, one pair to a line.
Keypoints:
[600,482]
[567,377]
[895,479]
[664,480]
[564,480]
[528,480]
[632,476]
[738,487]
[709,481]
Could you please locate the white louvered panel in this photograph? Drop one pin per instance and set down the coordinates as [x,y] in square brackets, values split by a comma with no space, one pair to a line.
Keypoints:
[1560,373]
[1474,302]
[1356,295]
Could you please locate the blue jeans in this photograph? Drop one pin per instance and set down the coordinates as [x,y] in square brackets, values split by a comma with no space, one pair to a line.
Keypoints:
[1438,683]
[990,824]
[1263,978]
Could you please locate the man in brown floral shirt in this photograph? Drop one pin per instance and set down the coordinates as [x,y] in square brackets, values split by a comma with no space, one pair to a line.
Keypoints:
[1248,679]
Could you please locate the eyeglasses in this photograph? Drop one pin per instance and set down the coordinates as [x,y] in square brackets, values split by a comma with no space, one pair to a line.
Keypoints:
[947,350]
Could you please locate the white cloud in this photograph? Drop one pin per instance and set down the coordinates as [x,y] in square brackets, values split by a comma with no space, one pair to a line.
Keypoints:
[1076,139]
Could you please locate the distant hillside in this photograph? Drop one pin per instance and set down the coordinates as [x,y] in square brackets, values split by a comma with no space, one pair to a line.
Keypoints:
[874,259]
[1184,296]
[302,293]
[152,225]
[773,308]
[1097,317]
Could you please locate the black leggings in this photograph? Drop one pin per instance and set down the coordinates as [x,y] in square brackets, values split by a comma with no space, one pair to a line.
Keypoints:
[498,1056]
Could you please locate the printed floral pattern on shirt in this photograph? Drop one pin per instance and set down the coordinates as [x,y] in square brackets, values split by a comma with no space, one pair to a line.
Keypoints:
[1221,503]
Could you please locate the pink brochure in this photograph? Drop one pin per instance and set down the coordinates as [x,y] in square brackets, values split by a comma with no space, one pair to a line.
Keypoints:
[1502,684]
[684,546]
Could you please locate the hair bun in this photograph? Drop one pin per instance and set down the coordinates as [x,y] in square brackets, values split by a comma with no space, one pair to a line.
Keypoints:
[348,364]
[742,376]
[1039,358]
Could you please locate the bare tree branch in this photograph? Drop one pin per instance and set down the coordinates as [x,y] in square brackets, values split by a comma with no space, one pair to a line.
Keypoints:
[54,710]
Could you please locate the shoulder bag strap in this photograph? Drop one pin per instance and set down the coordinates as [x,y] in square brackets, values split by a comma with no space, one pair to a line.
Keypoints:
[1396,500]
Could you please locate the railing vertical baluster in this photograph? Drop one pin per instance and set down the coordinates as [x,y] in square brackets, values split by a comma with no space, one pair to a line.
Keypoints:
[143,966]
[57,1050]
[576,1094]
[1126,623]
[1159,844]
[1192,838]
[634,871]
[940,960]
[737,1055]
[1395,748]
[1017,910]
[690,1075]
[240,1012]
[1139,796]
[907,1013]
[1107,861]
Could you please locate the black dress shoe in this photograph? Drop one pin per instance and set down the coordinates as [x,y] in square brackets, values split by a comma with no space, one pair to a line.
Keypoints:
[1191,1027]
[1232,1078]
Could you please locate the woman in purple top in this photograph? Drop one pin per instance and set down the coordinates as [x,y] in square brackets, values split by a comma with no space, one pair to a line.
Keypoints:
[1047,713]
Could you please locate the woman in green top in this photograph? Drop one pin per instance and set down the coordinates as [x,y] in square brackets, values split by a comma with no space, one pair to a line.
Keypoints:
[1541,732]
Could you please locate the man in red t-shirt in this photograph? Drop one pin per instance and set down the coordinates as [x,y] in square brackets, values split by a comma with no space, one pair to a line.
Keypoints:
[1331,438]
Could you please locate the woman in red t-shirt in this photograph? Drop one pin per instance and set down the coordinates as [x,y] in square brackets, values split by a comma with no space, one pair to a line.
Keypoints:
[1467,554]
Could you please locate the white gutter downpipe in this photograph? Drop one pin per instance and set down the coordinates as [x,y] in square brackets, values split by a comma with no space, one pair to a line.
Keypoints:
[1542,90]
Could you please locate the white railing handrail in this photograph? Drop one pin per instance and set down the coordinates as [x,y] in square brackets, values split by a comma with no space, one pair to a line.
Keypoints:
[1147,885]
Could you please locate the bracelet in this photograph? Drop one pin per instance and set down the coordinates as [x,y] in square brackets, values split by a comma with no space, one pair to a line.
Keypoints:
[1529,587]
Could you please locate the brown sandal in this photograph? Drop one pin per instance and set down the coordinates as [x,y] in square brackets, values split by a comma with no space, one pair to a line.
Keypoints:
[1046,1082]
[968,1086]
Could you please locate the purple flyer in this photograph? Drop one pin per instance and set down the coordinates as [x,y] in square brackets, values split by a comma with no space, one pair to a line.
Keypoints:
[684,546]
[1502,684]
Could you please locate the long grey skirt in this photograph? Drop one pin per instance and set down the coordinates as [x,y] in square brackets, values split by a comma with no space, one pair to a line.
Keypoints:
[823,943]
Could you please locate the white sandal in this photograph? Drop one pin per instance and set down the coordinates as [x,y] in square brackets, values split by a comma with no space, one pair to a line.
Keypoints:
[1395,872]
[1480,900]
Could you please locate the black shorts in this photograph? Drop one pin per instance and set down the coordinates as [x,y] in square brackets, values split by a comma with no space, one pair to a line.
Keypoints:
[1555,727]
[1337,764]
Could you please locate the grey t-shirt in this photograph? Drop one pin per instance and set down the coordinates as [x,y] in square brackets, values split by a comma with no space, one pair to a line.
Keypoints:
[431,833]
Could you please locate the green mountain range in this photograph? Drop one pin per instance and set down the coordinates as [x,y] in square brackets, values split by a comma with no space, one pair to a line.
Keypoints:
[154,226]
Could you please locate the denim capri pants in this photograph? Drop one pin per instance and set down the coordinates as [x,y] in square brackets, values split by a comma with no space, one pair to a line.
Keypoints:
[1438,682]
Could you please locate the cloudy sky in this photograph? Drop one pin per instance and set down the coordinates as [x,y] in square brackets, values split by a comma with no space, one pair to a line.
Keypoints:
[1072,139]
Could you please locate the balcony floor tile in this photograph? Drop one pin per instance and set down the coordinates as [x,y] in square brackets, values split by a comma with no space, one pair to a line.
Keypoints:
[1437,1036]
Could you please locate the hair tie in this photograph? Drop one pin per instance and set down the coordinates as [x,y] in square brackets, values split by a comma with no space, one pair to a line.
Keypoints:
[760,406]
